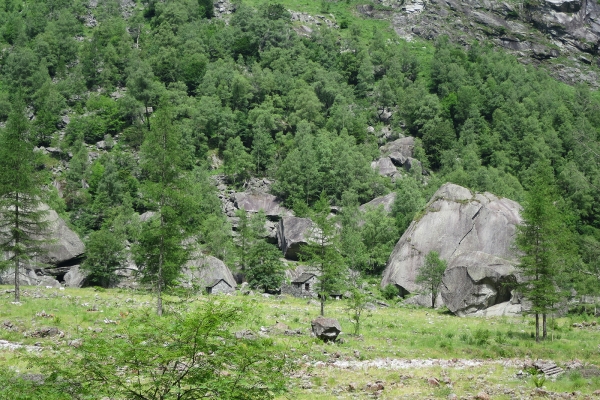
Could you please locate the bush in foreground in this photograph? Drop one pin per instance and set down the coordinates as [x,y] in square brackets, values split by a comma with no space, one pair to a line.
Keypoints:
[191,356]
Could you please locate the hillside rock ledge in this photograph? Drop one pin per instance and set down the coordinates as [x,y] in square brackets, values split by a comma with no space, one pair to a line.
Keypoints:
[474,233]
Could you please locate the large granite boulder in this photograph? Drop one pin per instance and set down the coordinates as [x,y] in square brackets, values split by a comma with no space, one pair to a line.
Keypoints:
[326,329]
[474,233]
[203,270]
[64,245]
[62,248]
[292,233]
[75,277]
[402,147]
[384,166]
[253,203]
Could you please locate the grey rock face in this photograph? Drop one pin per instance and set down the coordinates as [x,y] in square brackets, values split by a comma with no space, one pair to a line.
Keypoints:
[386,201]
[253,203]
[326,329]
[65,245]
[477,281]
[473,232]
[403,147]
[28,277]
[75,277]
[384,166]
[203,270]
[533,31]
[292,232]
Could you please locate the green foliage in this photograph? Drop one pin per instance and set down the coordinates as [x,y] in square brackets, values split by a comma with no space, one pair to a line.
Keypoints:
[357,308]
[430,274]
[265,269]
[389,292]
[105,254]
[196,353]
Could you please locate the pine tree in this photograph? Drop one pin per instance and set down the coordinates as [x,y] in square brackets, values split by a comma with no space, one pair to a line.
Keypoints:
[160,251]
[540,240]
[22,215]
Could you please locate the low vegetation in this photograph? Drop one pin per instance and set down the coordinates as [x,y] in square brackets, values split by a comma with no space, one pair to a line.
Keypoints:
[405,350]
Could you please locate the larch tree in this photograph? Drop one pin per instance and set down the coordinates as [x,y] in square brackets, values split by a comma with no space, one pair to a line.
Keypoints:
[23,218]
[541,242]
[322,252]
[161,251]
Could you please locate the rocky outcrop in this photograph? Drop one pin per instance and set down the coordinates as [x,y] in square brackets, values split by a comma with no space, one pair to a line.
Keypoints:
[75,277]
[28,277]
[203,270]
[292,233]
[534,31]
[474,233]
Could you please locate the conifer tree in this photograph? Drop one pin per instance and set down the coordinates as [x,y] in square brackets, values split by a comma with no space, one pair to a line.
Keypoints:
[540,240]
[160,252]
[22,215]
[322,252]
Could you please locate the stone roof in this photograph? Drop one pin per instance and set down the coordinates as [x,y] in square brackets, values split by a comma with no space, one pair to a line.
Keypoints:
[216,281]
[303,278]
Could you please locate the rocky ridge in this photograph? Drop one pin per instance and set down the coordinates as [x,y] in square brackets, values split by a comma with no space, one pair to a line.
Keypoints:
[536,31]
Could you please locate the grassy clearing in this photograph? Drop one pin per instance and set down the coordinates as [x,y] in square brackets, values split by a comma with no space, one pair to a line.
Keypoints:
[490,351]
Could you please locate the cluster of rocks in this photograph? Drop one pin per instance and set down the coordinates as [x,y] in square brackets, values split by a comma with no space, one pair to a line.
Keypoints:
[305,18]
[397,154]
[223,8]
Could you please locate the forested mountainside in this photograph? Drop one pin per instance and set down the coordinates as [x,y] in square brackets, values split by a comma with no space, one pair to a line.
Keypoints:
[100,85]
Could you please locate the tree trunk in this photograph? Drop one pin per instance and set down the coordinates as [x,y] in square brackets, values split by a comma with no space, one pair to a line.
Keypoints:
[544,330]
[433,299]
[322,305]
[17,251]
[537,327]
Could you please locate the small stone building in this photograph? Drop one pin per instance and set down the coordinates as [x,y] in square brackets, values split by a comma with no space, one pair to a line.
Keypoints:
[219,286]
[302,286]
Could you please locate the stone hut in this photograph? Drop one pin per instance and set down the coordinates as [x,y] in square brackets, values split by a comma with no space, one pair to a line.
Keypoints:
[219,286]
[302,286]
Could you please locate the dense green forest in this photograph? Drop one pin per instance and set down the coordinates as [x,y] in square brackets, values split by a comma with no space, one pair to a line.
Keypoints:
[294,107]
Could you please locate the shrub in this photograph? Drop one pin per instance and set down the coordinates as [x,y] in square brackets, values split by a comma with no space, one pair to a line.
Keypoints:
[389,292]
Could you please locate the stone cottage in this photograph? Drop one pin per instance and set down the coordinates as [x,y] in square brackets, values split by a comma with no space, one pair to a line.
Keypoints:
[302,286]
[219,286]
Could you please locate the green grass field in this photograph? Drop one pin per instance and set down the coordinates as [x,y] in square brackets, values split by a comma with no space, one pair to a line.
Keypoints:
[401,347]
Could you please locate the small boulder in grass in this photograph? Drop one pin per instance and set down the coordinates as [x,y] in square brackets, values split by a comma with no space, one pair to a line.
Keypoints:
[482,396]
[326,329]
